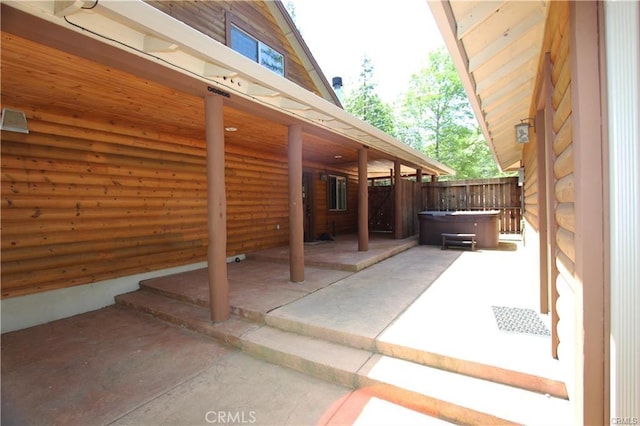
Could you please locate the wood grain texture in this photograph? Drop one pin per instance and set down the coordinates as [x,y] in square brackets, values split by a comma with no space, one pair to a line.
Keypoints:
[111,179]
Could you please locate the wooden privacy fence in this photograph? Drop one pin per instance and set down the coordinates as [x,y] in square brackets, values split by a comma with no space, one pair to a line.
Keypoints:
[381,207]
[502,194]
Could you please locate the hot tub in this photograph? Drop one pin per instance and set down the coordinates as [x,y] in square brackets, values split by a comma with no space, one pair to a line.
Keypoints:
[485,224]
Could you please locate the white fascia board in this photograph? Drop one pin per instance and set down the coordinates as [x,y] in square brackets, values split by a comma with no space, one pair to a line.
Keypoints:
[126,24]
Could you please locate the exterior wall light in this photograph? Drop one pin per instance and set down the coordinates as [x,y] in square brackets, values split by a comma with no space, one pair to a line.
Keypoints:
[522,129]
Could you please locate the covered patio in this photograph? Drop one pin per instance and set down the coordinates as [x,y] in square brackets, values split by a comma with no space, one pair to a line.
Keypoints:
[416,331]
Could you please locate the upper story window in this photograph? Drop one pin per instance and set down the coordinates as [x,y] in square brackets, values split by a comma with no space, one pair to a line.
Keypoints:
[256,50]
[337,193]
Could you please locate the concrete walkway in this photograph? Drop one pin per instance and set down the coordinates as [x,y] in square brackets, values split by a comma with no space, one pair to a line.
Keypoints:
[421,307]
[114,366]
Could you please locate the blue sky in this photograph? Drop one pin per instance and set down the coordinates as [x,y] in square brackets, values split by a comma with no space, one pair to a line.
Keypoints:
[396,34]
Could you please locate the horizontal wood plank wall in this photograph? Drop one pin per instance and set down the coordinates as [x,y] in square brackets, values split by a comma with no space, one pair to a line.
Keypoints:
[208,17]
[111,179]
[74,212]
[558,22]
[330,222]
[109,184]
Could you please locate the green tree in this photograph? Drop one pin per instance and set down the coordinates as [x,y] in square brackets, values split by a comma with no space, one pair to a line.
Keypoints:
[364,102]
[435,117]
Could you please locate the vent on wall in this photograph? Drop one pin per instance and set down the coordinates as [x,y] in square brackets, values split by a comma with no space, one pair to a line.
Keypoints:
[13,121]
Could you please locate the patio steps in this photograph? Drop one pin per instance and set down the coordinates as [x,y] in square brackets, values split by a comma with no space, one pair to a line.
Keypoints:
[492,373]
[447,395]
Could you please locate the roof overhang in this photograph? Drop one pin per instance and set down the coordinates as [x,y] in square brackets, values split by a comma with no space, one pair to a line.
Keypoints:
[146,32]
[294,37]
[496,48]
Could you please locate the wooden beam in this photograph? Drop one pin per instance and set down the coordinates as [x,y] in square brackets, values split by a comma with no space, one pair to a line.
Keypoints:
[296,218]
[363,201]
[217,210]
[589,150]
[552,201]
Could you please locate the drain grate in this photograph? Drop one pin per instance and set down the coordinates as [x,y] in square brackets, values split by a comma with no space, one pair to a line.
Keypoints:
[519,320]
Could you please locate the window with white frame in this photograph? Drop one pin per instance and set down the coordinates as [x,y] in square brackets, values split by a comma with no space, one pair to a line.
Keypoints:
[337,193]
[256,50]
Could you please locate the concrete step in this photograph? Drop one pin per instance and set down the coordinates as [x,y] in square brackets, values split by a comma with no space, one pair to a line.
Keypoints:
[441,394]
[404,384]
[459,398]
[325,360]
[492,373]
[186,315]
[195,295]
[282,256]
[360,407]
[519,379]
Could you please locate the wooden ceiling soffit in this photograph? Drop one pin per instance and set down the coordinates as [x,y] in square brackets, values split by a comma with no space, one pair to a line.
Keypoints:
[476,16]
[495,46]
[512,85]
[147,32]
[505,41]
[513,68]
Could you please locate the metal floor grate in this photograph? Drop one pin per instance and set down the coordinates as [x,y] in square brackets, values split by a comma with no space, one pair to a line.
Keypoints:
[519,320]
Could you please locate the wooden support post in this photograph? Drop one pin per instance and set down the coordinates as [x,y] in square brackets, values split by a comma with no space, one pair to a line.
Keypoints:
[543,219]
[551,204]
[216,210]
[397,201]
[296,218]
[589,238]
[363,201]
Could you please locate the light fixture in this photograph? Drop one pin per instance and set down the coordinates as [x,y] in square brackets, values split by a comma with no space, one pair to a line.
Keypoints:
[231,129]
[522,129]
[337,157]
[13,121]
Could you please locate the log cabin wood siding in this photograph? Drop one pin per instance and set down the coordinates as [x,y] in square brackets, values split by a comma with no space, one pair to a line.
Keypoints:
[563,173]
[111,179]
[329,221]
[211,18]
[558,44]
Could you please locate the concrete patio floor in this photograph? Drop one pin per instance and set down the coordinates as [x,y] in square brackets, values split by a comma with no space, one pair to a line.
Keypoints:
[116,365]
